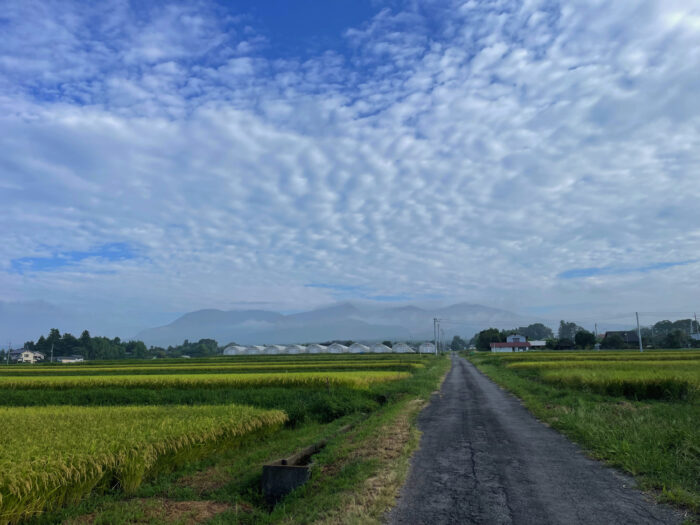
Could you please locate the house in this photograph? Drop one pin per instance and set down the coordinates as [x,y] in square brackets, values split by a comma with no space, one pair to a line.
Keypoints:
[15,355]
[316,349]
[402,348]
[337,348]
[30,356]
[514,343]
[234,350]
[69,359]
[358,348]
[426,348]
[380,348]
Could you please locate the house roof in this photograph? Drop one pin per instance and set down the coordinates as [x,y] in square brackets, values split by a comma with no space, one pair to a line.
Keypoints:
[512,344]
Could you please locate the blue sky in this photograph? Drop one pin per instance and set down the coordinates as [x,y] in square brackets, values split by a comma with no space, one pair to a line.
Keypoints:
[162,157]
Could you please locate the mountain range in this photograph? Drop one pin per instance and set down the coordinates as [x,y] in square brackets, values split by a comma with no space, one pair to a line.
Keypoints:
[341,321]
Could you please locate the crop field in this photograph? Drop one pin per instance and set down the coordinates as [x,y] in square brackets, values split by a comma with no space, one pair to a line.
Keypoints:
[72,432]
[637,410]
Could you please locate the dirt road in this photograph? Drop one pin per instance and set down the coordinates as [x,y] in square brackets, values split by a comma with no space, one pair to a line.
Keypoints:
[485,459]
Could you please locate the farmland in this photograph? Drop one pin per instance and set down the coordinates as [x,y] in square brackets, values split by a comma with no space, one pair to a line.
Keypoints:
[111,430]
[637,411]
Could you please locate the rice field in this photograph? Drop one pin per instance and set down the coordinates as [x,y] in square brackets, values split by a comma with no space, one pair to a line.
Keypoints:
[52,456]
[297,379]
[643,375]
[57,446]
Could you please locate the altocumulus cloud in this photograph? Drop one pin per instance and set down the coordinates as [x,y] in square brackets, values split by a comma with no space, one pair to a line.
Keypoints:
[466,150]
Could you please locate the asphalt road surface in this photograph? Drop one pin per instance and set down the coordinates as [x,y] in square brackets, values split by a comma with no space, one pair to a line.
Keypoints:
[483,458]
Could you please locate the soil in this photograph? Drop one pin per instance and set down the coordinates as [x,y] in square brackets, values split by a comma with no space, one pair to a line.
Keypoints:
[483,458]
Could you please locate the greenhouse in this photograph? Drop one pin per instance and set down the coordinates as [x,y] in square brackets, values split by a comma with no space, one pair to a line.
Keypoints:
[402,348]
[296,349]
[380,348]
[234,350]
[426,348]
[254,350]
[357,348]
[275,350]
[337,348]
[316,349]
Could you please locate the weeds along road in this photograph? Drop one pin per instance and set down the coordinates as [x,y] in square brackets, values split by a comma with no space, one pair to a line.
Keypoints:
[483,458]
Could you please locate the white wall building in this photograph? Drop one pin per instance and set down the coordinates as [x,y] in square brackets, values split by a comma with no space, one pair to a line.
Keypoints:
[30,356]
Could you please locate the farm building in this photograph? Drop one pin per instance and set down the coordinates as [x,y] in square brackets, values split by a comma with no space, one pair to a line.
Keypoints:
[514,343]
[337,348]
[380,348]
[357,348]
[234,350]
[426,348]
[316,349]
[274,350]
[538,344]
[296,349]
[69,359]
[30,356]
[254,350]
[402,348]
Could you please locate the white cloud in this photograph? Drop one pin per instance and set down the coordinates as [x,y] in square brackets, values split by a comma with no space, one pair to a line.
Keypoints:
[470,153]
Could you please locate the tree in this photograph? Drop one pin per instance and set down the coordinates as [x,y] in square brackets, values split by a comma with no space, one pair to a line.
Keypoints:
[676,339]
[568,330]
[536,331]
[613,341]
[486,337]
[584,339]
[458,344]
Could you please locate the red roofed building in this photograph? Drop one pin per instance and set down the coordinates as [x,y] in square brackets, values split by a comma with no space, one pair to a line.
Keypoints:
[516,343]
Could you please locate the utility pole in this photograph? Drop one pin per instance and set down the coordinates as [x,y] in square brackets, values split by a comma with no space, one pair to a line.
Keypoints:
[435,333]
[52,352]
[639,332]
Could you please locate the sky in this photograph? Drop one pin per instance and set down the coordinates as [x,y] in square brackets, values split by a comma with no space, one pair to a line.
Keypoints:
[162,157]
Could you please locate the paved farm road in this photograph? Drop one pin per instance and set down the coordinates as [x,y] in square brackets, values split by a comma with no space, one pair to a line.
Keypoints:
[484,459]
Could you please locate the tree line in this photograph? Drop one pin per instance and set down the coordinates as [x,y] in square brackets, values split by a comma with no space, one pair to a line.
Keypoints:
[663,334]
[94,348]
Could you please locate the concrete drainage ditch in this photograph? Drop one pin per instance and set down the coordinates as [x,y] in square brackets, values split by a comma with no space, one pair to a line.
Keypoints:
[281,477]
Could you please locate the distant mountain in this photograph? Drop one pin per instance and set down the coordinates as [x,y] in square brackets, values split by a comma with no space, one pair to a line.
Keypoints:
[338,321]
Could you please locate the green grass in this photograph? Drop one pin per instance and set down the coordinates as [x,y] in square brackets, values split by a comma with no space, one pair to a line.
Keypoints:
[645,428]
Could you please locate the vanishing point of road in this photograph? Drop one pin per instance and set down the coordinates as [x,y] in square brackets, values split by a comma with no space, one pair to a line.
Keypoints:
[484,459]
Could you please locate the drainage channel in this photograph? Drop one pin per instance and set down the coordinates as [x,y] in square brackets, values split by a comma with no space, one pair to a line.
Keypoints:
[281,477]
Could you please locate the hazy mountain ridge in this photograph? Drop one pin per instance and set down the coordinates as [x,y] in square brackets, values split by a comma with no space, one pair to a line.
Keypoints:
[338,321]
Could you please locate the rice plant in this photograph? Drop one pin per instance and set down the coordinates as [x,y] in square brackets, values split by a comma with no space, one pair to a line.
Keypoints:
[53,456]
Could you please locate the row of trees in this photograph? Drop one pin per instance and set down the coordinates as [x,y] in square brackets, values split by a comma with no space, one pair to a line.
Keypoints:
[664,334]
[91,348]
